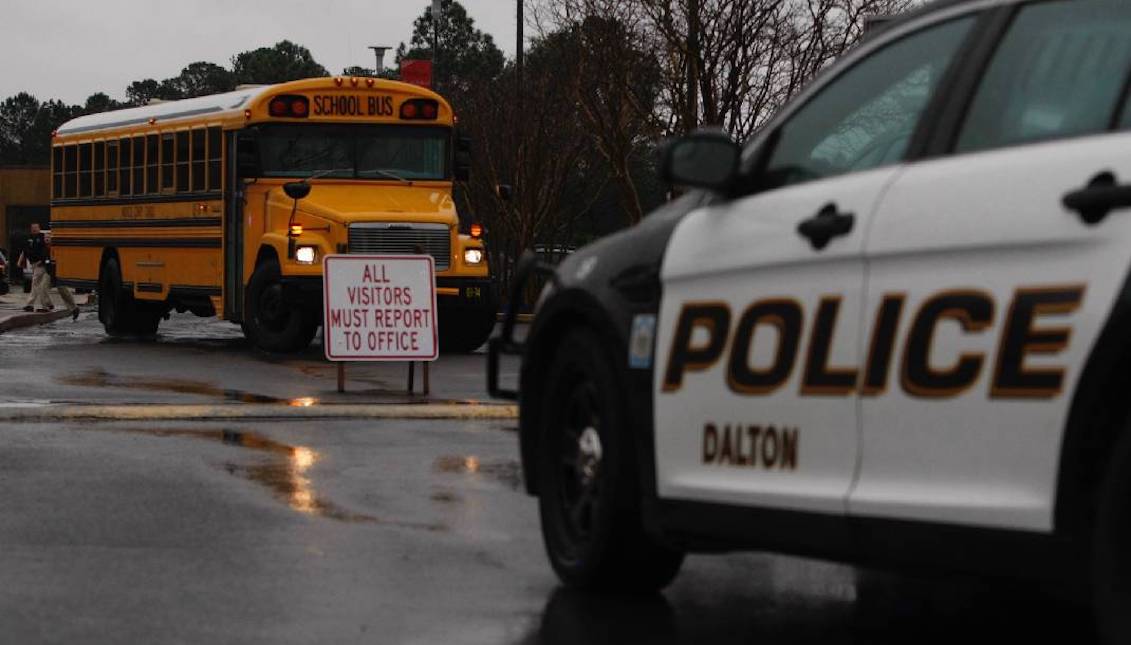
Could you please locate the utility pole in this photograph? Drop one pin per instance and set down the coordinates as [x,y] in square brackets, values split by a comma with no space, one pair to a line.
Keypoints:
[436,11]
[692,65]
[519,118]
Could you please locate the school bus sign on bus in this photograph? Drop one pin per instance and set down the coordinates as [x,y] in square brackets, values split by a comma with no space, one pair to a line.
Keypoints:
[226,205]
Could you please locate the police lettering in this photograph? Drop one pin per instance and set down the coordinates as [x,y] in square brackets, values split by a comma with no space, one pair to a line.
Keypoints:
[703,329]
[346,105]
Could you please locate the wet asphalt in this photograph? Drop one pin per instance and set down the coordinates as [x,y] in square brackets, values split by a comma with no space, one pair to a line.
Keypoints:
[366,531]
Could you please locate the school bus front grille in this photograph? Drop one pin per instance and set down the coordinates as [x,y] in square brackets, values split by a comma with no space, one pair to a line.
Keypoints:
[403,238]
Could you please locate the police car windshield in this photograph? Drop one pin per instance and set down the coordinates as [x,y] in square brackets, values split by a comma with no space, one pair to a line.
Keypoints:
[375,152]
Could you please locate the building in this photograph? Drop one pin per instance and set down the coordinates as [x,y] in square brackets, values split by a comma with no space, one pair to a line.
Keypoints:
[25,197]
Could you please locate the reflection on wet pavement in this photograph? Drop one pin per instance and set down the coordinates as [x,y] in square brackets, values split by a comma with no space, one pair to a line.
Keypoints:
[285,476]
[508,472]
[98,377]
[887,610]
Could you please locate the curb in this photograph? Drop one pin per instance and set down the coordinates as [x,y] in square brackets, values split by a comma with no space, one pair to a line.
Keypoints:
[259,411]
[29,319]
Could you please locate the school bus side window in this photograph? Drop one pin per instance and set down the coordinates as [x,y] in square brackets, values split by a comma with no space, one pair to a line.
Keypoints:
[197,160]
[215,154]
[139,165]
[85,155]
[56,172]
[125,161]
[99,169]
[70,171]
[168,162]
[152,161]
[183,162]
[111,168]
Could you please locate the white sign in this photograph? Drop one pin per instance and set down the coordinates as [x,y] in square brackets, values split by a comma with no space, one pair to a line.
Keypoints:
[379,308]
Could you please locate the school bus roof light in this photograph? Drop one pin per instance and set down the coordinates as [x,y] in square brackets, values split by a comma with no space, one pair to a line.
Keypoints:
[338,80]
[369,82]
[289,106]
[354,81]
[477,230]
[420,110]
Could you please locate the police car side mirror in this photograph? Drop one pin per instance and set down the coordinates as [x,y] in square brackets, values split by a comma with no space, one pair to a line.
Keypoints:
[704,159]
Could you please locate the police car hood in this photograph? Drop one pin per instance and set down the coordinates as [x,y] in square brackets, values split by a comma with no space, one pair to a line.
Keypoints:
[631,258]
[350,202]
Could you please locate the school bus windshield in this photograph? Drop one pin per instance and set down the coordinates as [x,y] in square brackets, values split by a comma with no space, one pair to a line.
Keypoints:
[382,152]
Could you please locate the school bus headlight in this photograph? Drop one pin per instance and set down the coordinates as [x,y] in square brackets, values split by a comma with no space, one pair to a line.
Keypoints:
[473,256]
[305,255]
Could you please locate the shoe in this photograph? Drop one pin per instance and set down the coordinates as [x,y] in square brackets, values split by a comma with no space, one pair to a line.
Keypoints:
[75,314]
[42,311]
[50,307]
[29,308]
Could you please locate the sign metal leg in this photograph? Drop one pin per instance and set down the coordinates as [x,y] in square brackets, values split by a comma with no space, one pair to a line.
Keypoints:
[341,376]
[411,376]
[427,384]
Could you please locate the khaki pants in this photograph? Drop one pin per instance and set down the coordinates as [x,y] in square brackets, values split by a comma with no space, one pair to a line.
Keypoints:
[41,289]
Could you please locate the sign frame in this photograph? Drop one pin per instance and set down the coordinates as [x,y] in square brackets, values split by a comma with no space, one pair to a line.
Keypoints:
[354,257]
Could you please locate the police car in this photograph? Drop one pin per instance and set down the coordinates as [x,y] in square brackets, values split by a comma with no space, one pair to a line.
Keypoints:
[894,328]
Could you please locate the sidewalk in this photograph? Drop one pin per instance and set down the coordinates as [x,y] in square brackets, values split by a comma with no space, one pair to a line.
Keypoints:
[13,316]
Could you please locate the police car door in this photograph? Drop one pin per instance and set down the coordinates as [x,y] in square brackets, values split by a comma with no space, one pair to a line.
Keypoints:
[985,292]
[758,330]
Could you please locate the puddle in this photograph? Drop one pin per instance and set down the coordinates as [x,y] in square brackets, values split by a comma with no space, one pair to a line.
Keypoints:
[507,472]
[285,475]
[101,378]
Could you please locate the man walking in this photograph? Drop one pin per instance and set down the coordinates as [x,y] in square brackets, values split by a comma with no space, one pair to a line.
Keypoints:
[36,256]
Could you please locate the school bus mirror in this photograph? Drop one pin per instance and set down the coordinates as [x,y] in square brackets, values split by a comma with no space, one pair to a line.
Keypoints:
[505,192]
[463,144]
[296,190]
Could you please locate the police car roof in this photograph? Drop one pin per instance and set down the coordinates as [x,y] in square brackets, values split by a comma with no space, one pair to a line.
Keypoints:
[924,10]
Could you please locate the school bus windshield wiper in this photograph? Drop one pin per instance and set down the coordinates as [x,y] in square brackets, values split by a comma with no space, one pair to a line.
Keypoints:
[387,174]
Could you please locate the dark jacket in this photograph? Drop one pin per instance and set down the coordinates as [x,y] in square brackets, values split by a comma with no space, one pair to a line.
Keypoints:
[36,249]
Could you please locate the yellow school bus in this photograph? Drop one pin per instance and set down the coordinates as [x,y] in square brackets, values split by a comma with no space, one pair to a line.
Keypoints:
[187,205]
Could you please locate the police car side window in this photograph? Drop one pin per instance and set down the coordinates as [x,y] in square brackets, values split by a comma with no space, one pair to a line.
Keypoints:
[1058,72]
[865,118]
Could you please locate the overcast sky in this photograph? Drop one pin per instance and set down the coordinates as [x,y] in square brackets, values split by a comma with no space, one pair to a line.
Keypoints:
[70,49]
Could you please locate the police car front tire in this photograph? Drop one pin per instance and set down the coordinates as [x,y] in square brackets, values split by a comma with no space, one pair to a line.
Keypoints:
[589,500]
[1111,566]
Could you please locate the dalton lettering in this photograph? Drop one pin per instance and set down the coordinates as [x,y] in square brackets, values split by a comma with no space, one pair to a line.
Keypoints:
[751,446]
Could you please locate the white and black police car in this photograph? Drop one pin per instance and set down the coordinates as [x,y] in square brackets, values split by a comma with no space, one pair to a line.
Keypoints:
[894,328]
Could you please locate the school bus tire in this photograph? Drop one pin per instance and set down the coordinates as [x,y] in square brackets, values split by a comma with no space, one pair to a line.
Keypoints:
[271,323]
[119,312]
[588,494]
[1111,550]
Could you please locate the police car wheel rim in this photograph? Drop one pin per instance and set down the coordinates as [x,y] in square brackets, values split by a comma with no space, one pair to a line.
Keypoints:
[580,465]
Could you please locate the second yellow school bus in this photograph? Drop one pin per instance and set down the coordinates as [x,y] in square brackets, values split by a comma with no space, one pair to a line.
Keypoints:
[183,205]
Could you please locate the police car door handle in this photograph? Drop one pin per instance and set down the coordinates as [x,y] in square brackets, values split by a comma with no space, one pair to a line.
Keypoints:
[1095,201]
[825,225]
